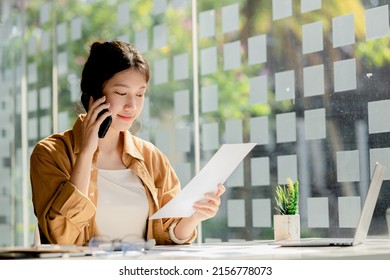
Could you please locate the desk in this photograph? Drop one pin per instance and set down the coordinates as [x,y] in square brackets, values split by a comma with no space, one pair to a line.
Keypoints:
[221,259]
[378,249]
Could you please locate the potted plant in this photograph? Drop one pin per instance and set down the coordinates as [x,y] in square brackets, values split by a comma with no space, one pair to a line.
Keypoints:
[287,219]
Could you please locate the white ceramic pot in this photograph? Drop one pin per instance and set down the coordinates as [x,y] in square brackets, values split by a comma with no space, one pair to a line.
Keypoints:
[287,227]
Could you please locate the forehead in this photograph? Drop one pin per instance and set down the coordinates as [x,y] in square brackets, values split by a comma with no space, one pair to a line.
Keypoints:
[130,78]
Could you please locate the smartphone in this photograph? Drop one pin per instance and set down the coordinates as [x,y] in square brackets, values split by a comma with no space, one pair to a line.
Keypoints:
[105,124]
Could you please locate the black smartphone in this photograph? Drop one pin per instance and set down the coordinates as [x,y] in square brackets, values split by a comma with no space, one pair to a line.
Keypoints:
[105,124]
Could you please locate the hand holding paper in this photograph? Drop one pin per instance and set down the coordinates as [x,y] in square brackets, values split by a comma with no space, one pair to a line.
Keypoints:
[215,172]
[209,206]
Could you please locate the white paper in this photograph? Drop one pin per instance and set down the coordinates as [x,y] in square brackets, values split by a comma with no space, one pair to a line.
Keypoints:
[216,171]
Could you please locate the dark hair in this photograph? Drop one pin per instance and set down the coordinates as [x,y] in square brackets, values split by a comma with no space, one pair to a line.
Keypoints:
[104,61]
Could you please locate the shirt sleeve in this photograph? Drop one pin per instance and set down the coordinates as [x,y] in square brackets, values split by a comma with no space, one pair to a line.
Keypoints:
[63,212]
[177,240]
[168,186]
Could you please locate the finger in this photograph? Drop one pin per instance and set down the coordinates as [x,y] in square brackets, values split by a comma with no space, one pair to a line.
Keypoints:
[90,102]
[93,104]
[206,212]
[101,114]
[97,113]
[213,198]
[210,204]
[88,116]
[221,190]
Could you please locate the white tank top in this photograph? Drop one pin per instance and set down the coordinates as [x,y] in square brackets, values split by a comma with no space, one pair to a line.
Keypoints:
[123,207]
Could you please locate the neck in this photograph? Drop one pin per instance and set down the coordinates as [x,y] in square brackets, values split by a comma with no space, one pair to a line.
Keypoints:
[110,151]
[112,141]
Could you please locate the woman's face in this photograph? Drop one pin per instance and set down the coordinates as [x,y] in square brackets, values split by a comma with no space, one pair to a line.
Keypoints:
[125,92]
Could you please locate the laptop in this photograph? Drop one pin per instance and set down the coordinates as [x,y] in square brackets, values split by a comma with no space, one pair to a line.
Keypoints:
[364,220]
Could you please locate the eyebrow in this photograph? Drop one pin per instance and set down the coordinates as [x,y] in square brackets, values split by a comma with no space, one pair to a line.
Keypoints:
[126,86]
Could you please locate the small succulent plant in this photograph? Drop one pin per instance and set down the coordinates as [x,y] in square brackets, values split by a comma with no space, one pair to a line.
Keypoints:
[287,198]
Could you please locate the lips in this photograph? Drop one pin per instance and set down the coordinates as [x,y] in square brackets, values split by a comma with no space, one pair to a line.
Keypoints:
[125,117]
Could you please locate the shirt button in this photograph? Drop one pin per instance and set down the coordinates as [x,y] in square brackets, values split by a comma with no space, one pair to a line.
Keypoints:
[92,194]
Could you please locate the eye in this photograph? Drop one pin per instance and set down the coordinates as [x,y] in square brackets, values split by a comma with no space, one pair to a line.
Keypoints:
[121,93]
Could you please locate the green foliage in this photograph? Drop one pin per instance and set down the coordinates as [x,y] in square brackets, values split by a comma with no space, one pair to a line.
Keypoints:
[375,53]
[287,198]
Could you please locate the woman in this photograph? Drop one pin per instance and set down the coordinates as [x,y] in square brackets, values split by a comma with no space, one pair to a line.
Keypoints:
[85,186]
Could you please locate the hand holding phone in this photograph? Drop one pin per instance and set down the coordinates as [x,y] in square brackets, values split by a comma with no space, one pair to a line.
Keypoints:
[105,124]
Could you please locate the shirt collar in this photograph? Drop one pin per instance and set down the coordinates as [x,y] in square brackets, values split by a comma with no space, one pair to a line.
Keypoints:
[77,133]
[129,146]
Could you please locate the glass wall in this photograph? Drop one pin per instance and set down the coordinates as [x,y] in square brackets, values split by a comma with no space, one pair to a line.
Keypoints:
[304,79]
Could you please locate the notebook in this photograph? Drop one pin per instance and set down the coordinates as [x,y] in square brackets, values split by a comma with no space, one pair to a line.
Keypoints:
[364,220]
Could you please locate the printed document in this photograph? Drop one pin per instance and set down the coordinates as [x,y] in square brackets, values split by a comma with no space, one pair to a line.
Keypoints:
[216,171]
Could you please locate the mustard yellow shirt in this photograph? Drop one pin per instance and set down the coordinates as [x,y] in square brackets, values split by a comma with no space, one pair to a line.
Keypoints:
[65,215]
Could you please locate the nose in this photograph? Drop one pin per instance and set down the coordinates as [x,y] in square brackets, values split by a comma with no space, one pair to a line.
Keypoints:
[130,103]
